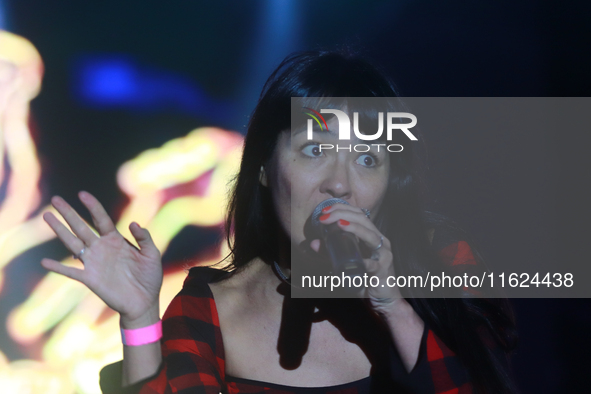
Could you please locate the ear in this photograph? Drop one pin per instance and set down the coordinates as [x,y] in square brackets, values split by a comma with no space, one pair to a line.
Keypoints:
[263,177]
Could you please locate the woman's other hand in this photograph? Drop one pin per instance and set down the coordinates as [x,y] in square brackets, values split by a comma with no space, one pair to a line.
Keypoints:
[126,278]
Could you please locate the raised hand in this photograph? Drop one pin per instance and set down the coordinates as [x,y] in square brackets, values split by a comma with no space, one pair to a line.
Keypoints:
[126,278]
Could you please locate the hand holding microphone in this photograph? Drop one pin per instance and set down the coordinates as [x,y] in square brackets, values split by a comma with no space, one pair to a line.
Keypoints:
[345,231]
[342,247]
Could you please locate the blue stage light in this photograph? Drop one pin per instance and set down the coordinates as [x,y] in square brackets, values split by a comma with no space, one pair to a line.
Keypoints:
[107,81]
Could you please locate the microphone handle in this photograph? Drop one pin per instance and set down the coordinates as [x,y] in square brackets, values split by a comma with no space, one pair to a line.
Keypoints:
[343,249]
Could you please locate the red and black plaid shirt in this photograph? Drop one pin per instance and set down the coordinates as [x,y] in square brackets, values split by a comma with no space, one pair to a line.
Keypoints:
[193,353]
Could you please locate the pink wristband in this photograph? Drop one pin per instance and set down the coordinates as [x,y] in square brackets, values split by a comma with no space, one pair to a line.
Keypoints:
[142,336]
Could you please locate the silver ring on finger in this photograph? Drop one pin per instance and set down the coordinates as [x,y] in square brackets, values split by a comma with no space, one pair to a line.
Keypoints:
[366,212]
[79,254]
[375,255]
[380,244]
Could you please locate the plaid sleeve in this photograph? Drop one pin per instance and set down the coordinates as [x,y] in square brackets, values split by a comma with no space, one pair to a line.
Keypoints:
[438,370]
[192,348]
[448,374]
[459,259]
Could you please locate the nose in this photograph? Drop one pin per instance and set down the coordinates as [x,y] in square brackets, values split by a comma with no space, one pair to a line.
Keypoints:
[336,182]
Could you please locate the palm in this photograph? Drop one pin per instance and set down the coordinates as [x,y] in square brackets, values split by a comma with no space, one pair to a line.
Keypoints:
[117,273]
[126,278]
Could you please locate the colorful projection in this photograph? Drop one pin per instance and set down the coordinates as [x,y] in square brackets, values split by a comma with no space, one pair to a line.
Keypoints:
[21,70]
[183,183]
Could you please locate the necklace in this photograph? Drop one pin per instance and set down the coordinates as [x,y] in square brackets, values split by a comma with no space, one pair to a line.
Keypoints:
[281,274]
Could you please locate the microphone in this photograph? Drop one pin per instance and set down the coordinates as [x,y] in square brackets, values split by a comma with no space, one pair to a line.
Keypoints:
[342,246]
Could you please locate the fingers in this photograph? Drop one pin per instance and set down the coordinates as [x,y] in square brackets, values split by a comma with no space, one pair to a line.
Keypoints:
[71,242]
[144,240]
[57,267]
[352,219]
[370,237]
[344,207]
[346,212]
[101,219]
[76,223]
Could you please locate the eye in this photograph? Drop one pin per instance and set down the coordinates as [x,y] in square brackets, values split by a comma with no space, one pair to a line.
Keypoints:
[366,161]
[312,150]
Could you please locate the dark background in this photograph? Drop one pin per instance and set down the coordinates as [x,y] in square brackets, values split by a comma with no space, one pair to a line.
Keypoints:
[517,202]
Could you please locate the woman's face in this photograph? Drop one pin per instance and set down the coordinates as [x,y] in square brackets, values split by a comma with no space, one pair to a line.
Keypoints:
[301,176]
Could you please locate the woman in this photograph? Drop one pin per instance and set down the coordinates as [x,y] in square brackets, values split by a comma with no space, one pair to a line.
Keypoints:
[238,330]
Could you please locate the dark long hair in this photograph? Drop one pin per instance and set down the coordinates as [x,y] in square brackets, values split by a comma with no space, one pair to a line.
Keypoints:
[464,324]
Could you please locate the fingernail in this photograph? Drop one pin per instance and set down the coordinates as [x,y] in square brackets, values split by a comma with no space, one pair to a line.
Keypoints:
[324,217]
[343,222]
[326,209]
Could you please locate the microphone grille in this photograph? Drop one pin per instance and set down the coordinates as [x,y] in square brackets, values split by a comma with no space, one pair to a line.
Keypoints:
[326,203]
